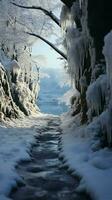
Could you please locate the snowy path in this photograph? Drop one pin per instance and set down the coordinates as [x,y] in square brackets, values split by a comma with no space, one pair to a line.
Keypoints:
[44,177]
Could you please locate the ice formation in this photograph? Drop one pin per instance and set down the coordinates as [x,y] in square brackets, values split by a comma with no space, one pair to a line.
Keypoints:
[16,96]
[107,51]
[80,2]
[76,51]
[15,70]
[7,105]
[92,78]
[65,17]
[96,96]
[76,13]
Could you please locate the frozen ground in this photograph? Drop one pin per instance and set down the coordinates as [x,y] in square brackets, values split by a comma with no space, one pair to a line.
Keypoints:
[86,159]
[45,177]
[16,139]
[83,155]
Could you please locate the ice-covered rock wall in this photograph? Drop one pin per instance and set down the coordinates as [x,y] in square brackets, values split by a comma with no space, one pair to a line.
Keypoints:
[85,24]
[7,106]
[80,49]
[17,96]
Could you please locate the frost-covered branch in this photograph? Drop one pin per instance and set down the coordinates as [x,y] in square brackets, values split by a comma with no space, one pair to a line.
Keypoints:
[50,44]
[46,12]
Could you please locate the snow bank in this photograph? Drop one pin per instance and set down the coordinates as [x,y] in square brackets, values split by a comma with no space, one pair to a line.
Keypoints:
[82,151]
[15,141]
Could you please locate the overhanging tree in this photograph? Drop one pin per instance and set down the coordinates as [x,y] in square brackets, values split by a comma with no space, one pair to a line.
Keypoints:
[52,16]
[46,12]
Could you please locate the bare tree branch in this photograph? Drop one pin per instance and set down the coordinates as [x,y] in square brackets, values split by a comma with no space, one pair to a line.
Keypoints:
[50,44]
[46,12]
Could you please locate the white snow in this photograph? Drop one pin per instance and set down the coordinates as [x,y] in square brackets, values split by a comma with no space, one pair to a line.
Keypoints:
[84,156]
[16,139]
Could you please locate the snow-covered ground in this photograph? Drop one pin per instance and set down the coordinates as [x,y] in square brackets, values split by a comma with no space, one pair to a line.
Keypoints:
[16,139]
[80,148]
[86,159]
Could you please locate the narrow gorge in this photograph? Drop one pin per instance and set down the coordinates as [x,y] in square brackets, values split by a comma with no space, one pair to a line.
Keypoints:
[75,38]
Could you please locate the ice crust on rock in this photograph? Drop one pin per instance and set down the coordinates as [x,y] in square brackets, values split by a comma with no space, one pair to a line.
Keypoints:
[96,96]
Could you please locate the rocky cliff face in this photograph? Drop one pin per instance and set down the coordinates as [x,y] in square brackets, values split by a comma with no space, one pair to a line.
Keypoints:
[85,24]
[99,22]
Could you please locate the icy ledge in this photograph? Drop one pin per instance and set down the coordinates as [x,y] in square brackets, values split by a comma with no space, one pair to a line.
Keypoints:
[92,164]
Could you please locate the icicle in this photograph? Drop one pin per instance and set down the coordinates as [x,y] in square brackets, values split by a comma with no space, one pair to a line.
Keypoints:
[76,52]
[80,3]
[76,11]
[95,94]
[65,18]
[107,51]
